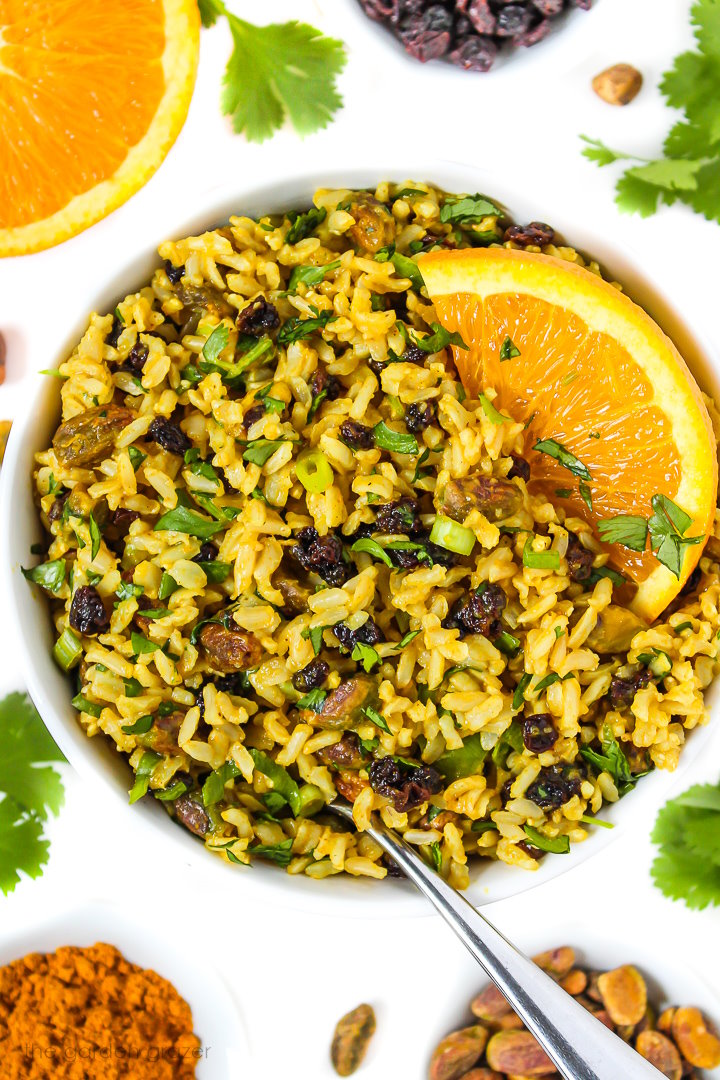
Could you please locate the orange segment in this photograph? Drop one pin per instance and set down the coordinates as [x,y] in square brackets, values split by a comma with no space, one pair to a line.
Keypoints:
[92,96]
[596,374]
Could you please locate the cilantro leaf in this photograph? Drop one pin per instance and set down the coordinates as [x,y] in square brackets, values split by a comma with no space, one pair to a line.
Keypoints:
[278,72]
[561,454]
[687,831]
[302,225]
[630,530]
[22,847]
[296,328]
[612,760]
[310,275]
[668,526]
[433,343]
[365,655]
[689,171]
[30,789]
[216,342]
[35,788]
[468,210]
[508,349]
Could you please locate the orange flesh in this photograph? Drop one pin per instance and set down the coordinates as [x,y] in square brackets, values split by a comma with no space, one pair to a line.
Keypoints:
[569,384]
[80,82]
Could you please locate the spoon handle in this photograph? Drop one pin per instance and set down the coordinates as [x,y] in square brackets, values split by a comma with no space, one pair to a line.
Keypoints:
[581,1047]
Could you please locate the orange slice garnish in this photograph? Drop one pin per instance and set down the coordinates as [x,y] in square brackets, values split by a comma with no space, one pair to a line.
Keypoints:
[92,97]
[581,364]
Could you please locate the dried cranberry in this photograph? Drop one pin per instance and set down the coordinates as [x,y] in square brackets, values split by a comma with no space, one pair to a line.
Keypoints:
[534,35]
[122,518]
[413,355]
[56,510]
[321,555]
[512,20]
[207,553]
[135,359]
[312,676]
[380,10]
[536,234]
[579,560]
[483,19]
[405,560]
[427,35]
[520,468]
[402,516]
[404,787]
[168,435]
[258,317]
[419,417]
[533,852]
[623,690]
[474,54]
[357,436]
[369,634]
[552,788]
[478,614]
[253,414]
[87,611]
[115,331]
[549,7]
[174,273]
[539,732]
[322,381]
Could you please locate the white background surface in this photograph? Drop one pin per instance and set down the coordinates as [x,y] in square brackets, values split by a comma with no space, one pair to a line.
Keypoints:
[293,974]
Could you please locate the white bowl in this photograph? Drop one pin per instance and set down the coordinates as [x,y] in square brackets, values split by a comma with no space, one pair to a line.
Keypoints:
[19,528]
[216,1020]
[669,979]
[569,39]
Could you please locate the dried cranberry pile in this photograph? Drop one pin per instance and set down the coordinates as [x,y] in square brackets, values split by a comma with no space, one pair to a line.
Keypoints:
[468,33]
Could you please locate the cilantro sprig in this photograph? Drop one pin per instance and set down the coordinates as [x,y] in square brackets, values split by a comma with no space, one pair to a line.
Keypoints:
[666,527]
[689,170]
[30,790]
[687,832]
[279,72]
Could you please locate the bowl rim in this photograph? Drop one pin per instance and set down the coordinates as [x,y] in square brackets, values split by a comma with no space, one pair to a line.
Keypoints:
[339,896]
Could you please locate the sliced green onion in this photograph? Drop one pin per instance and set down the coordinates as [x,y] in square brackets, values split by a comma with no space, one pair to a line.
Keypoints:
[519,695]
[82,704]
[143,773]
[67,650]
[448,534]
[173,792]
[314,471]
[168,585]
[310,800]
[588,819]
[560,845]
[540,560]
[483,827]
[507,644]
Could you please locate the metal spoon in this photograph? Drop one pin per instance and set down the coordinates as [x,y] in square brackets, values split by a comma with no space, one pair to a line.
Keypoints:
[580,1046]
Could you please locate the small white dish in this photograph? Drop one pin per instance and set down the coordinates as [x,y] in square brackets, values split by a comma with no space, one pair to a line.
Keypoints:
[216,1020]
[669,979]
[569,39]
[96,759]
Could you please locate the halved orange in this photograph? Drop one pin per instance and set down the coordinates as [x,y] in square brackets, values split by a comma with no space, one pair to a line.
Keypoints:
[92,97]
[594,373]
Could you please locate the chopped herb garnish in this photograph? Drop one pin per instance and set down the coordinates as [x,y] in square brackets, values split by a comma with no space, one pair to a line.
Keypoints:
[49,575]
[261,450]
[216,342]
[310,275]
[433,343]
[315,636]
[143,774]
[142,645]
[365,655]
[133,688]
[508,350]
[296,328]
[630,530]
[507,643]
[303,225]
[214,787]
[377,719]
[371,547]
[82,704]
[559,845]
[136,457]
[668,526]
[561,454]
[280,854]
[585,494]
[468,210]
[313,700]
[184,520]
[395,442]
[140,727]
[613,760]
[491,412]
[519,695]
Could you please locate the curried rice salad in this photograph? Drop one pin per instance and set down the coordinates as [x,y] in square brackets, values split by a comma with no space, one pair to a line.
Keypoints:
[289,560]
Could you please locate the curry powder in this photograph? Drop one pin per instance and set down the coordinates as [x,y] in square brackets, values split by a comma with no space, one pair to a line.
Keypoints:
[82,1014]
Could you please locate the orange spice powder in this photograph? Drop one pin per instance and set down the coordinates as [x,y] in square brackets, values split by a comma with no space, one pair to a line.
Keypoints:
[81,1014]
